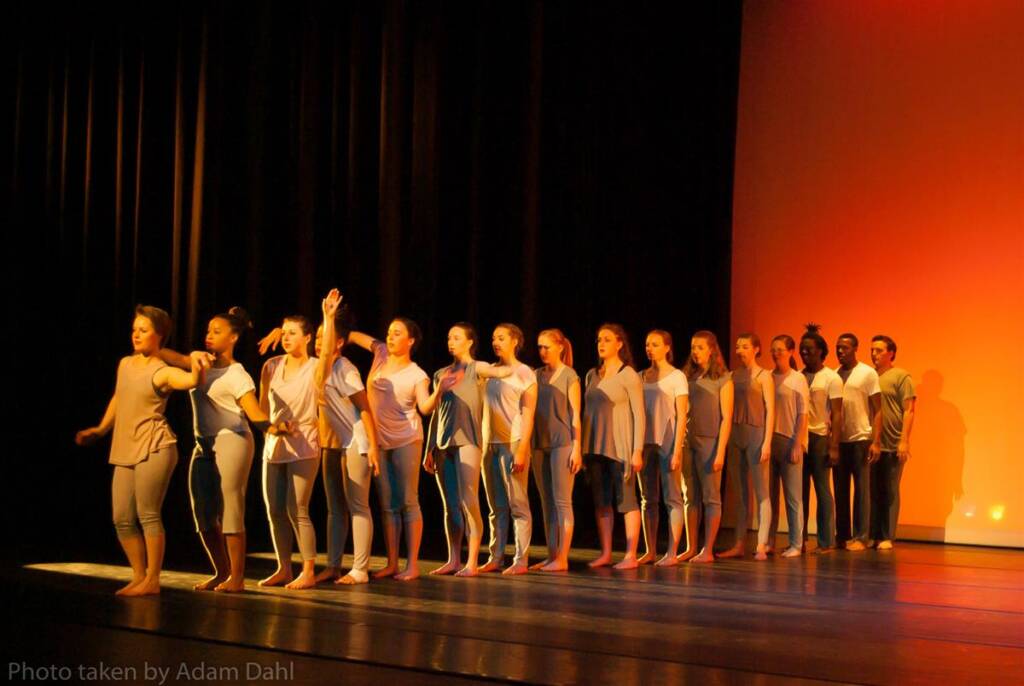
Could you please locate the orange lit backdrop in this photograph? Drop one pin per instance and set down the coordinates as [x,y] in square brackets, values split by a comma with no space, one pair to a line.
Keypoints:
[880,189]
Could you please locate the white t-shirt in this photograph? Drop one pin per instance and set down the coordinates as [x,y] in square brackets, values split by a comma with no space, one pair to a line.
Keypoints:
[861,384]
[826,387]
[215,407]
[293,400]
[791,401]
[660,405]
[393,401]
[341,413]
[503,398]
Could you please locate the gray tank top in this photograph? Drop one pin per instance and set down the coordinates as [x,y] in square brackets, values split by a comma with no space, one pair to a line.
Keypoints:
[705,406]
[456,420]
[140,427]
[552,424]
[748,406]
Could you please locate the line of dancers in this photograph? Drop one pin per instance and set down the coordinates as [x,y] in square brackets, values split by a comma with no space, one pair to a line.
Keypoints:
[668,433]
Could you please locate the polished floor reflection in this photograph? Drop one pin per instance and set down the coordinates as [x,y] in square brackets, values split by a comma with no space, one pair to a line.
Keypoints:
[920,614]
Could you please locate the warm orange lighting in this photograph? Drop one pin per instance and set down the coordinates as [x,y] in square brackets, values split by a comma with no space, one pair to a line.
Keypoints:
[996,512]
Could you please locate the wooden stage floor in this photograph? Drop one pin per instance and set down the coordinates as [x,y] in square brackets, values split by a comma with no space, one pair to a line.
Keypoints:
[922,614]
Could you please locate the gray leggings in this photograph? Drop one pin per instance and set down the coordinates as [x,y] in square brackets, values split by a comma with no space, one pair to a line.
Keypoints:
[554,483]
[217,477]
[658,483]
[792,476]
[507,492]
[137,493]
[287,489]
[745,466]
[707,492]
[457,469]
[347,484]
[399,482]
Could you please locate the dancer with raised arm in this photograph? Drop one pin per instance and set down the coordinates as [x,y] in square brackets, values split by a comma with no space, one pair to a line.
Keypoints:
[144,449]
[557,456]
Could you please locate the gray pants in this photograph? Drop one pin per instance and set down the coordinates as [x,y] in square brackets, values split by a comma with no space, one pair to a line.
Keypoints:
[657,483]
[743,461]
[287,489]
[217,477]
[507,492]
[137,493]
[707,483]
[791,476]
[885,496]
[457,470]
[853,463]
[347,485]
[399,482]
[554,483]
[817,469]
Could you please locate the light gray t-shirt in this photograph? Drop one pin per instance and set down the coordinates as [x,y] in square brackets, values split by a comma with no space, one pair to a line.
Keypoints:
[456,419]
[896,386]
[791,400]
[215,407]
[613,417]
[552,424]
[503,404]
[660,405]
[826,387]
[858,387]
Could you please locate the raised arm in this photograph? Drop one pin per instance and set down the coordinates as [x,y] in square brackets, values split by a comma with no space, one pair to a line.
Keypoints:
[265,374]
[270,341]
[329,307]
[364,341]
[94,433]
[427,401]
[725,399]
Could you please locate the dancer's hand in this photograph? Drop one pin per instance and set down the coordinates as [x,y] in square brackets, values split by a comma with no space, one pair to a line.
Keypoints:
[796,454]
[719,462]
[575,461]
[88,436]
[428,463]
[636,462]
[833,454]
[330,304]
[766,453]
[450,380]
[373,460]
[676,463]
[874,453]
[903,453]
[270,341]
[201,360]
[521,460]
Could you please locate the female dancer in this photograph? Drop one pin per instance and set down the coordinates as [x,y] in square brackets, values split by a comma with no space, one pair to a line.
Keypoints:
[613,440]
[508,429]
[144,450]
[453,454]
[666,401]
[290,389]
[789,442]
[557,457]
[219,471]
[396,389]
[348,438]
[750,444]
[707,435]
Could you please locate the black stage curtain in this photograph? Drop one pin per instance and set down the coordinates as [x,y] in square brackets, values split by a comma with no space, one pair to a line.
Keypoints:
[551,164]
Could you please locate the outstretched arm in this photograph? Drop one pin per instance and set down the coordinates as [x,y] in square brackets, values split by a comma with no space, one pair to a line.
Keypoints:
[168,379]
[486,370]
[175,359]
[364,341]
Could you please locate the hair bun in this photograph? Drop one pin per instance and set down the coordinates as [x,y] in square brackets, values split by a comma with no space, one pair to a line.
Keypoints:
[242,316]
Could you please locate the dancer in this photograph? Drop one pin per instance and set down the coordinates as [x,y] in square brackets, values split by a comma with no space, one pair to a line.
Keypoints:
[349,457]
[396,388]
[218,473]
[666,402]
[750,443]
[789,443]
[454,439]
[557,456]
[290,389]
[825,418]
[898,406]
[144,449]
[707,435]
[858,445]
[613,441]
[508,429]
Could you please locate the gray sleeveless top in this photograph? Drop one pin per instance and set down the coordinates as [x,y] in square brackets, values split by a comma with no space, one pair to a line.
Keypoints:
[140,427]
[456,419]
[705,406]
[748,407]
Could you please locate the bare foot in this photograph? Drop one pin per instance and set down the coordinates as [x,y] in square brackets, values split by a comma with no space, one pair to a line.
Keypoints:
[467,571]
[686,555]
[130,585]
[669,560]
[792,551]
[705,557]
[278,578]
[384,573]
[408,575]
[553,566]
[328,574]
[542,564]
[603,561]
[232,585]
[447,568]
[352,579]
[647,558]
[735,551]
[491,566]
[825,550]
[304,580]
[514,570]
[210,583]
[760,556]
[628,562]
[149,586]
